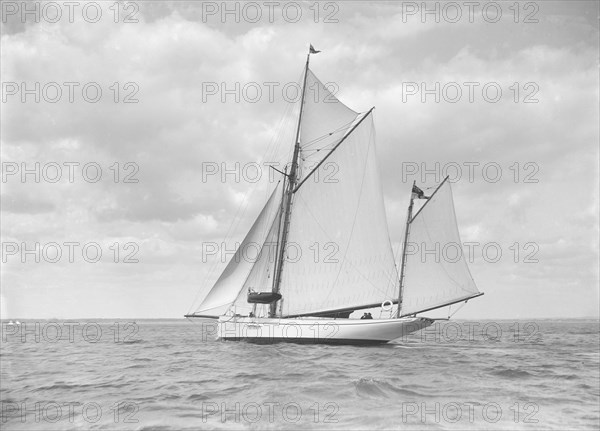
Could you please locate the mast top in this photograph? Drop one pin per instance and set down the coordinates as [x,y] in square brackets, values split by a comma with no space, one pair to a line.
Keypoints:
[311,50]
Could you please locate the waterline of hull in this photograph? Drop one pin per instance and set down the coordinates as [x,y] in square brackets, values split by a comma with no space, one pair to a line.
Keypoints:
[318,330]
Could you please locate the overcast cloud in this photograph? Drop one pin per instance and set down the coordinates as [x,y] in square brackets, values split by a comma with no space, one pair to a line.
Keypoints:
[164,206]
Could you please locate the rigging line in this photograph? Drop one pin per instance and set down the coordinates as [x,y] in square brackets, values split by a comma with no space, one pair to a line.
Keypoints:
[243,205]
[396,253]
[269,150]
[213,267]
[455,311]
[337,145]
[291,107]
[311,153]
[319,149]
[282,129]
[235,222]
[327,134]
[341,128]
[309,156]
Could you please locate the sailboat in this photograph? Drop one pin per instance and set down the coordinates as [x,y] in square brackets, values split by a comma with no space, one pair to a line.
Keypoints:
[288,293]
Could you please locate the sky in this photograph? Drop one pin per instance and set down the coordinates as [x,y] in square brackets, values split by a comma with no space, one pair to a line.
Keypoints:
[134,130]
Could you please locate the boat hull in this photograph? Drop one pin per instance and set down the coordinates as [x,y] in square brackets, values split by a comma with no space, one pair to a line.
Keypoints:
[318,330]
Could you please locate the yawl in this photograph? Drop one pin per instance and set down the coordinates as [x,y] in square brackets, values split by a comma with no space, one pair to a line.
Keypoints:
[279,297]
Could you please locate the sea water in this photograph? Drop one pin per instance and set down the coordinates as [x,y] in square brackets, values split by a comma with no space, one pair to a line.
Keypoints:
[172,374]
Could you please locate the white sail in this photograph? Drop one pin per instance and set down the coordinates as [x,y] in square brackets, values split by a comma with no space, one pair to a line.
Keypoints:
[338,254]
[436,271]
[324,120]
[228,286]
[260,278]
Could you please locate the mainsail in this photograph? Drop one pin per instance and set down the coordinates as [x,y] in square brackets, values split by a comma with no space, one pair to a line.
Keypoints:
[339,257]
[436,272]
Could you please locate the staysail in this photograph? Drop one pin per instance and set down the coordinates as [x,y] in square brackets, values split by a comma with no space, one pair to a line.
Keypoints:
[239,269]
[436,272]
[260,278]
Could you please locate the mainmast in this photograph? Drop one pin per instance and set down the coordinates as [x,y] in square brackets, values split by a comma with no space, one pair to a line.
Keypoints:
[403,264]
[289,191]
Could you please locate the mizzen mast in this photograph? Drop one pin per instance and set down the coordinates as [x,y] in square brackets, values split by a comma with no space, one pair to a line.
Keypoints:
[403,264]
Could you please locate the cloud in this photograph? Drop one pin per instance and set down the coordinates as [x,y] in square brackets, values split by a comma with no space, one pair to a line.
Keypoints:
[176,134]
[26,204]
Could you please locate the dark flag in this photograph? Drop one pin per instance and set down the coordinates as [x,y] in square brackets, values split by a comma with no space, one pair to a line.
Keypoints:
[313,50]
[418,193]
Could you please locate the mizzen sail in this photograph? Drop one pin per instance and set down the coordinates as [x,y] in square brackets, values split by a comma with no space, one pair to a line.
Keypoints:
[436,272]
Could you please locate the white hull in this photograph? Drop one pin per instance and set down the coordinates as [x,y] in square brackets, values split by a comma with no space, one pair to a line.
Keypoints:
[318,330]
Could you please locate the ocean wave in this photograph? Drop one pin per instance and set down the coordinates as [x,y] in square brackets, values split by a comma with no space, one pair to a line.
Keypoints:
[512,373]
[379,388]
